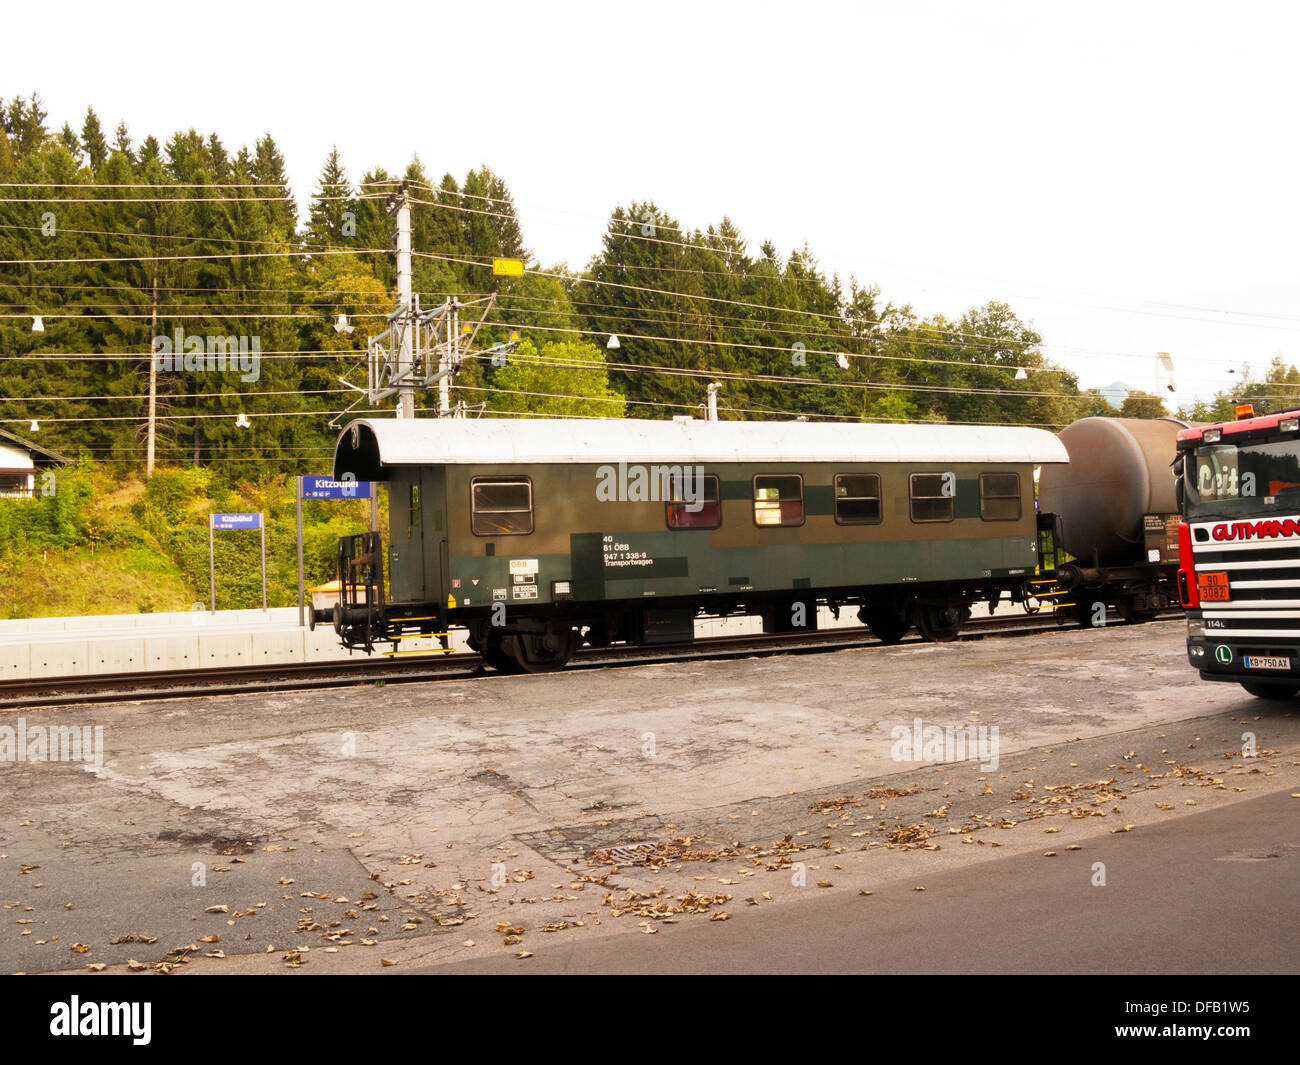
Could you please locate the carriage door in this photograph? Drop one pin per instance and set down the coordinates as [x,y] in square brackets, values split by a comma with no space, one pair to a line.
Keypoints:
[406,533]
[433,510]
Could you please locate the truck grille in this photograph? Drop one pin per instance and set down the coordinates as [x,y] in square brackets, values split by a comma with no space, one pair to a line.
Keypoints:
[1263,581]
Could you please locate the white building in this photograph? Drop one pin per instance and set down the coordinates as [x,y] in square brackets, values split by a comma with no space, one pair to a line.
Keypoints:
[20,462]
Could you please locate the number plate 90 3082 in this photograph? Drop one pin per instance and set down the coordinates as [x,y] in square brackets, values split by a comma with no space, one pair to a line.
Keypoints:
[1213,586]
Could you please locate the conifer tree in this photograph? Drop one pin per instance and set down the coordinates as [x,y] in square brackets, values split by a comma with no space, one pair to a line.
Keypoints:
[93,141]
[333,201]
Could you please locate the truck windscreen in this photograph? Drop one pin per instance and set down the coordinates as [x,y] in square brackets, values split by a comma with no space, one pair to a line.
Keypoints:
[1227,480]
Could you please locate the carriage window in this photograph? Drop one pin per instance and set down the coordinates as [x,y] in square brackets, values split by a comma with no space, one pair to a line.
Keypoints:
[929,501]
[1000,496]
[778,500]
[857,499]
[413,511]
[501,506]
[693,502]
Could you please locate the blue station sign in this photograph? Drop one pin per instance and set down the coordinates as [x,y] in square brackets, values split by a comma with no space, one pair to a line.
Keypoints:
[322,487]
[237,521]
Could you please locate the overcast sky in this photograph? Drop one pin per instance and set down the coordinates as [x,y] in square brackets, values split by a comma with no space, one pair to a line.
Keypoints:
[1124,175]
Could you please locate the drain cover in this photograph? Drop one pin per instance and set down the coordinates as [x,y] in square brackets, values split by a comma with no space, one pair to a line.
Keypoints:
[630,853]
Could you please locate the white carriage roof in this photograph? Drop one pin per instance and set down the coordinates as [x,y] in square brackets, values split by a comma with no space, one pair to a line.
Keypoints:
[368,444]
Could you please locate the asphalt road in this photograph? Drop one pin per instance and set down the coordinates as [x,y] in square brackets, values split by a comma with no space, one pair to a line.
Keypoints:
[494,824]
[1218,893]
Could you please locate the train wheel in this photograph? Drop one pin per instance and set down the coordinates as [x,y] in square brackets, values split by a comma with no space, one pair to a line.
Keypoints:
[940,623]
[541,654]
[496,655]
[886,622]
[1088,611]
[1130,611]
[1269,691]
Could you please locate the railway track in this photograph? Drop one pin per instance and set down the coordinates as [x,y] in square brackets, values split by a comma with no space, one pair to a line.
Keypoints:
[304,676]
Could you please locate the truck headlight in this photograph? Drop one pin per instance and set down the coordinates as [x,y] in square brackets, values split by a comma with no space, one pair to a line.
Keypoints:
[1195,628]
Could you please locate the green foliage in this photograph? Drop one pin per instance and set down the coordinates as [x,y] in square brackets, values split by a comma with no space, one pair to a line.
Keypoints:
[782,336]
[1092,404]
[565,379]
[1277,390]
[171,497]
[151,542]
[58,519]
[1143,405]
[970,370]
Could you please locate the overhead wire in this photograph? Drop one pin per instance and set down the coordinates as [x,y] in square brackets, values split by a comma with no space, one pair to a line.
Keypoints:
[646,289]
[657,222]
[777,278]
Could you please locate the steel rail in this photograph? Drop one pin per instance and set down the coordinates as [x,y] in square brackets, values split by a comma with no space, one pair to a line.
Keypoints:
[334,673]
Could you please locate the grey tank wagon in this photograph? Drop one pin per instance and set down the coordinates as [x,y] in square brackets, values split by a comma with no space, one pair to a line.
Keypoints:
[537,536]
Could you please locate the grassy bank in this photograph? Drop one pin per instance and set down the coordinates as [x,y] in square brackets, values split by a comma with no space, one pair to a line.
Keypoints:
[103,544]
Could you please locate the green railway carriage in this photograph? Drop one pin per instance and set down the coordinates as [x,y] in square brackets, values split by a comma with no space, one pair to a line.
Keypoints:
[538,534]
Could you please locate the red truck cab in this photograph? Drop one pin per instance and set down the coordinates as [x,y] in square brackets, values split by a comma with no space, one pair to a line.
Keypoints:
[1238,492]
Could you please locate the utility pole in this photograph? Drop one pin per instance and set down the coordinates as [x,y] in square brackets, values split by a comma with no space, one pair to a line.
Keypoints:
[151,431]
[448,357]
[400,206]
[420,348]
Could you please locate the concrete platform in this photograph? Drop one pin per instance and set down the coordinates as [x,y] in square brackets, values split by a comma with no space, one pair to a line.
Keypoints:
[131,643]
